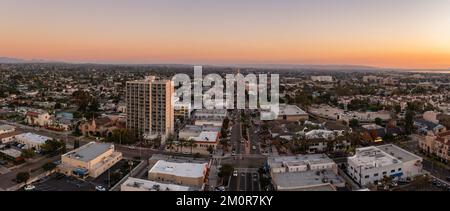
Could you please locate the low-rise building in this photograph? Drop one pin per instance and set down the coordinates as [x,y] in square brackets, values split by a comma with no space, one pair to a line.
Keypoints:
[135,184]
[31,140]
[435,144]
[304,172]
[372,164]
[6,129]
[8,137]
[179,173]
[37,117]
[12,154]
[285,112]
[91,160]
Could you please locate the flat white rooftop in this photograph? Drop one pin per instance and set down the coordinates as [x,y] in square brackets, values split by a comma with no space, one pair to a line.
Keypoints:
[193,170]
[11,152]
[6,128]
[89,151]
[373,157]
[206,136]
[306,179]
[135,184]
[34,138]
[399,153]
[291,110]
[297,160]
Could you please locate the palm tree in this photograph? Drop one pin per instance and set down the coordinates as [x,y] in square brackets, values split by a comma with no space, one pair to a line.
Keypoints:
[190,143]
[170,142]
[182,142]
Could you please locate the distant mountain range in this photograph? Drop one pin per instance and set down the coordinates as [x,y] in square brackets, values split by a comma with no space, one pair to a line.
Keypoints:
[9,60]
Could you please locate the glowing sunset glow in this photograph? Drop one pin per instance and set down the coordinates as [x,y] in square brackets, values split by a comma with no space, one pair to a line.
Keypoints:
[402,33]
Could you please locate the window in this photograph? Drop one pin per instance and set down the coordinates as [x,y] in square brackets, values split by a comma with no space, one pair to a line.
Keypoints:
[399,169]
[393,170]
[384,173]
[375,175]
[367,176]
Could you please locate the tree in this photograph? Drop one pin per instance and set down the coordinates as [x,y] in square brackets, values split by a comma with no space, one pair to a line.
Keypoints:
[28,153]
[397,108]
[76,144]
[409,122]
[388,137]
[52,146]
[378,121]
[22,177]
[169,142]
[354,123]
[49,166]
[210,149]
[122,136]
[93,105]
[190,143]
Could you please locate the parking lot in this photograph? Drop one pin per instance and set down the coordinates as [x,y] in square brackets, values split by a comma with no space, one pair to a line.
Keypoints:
[58,182]
[246,180]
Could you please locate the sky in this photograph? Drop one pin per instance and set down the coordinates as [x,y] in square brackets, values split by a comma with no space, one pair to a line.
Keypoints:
[380,33]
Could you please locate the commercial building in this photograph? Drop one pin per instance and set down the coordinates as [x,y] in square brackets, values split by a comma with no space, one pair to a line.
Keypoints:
[31,140]
[372,164]
[178,171]
[313,172]
[91,160]
[205,138]
[150,110]
[135,184]
[286,112]
[11,153]
[6,129]
[8,137]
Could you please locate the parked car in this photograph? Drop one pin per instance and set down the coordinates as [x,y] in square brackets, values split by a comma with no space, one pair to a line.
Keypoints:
[29,188]
[100,188]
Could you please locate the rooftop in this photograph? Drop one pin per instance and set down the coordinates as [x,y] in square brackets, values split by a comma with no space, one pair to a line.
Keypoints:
[147,185]
[280,161]
[206,136]
[384,155]
[193,170]
[31,137]
[7,128]
[399,153]
[286,109]
[11,152]
[89,151]
[310,180]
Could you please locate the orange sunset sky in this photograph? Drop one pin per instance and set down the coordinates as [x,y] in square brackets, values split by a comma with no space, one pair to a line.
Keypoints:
[382,33]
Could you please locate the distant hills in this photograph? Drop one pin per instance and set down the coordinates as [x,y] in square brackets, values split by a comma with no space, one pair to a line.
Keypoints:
[303,67]
[10,60]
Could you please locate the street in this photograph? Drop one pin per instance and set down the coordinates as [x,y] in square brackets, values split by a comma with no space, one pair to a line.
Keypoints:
[247,180]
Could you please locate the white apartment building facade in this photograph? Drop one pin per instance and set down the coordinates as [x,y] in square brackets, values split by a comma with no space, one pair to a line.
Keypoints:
[150,110]
[372,164]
